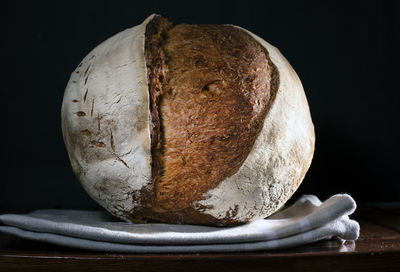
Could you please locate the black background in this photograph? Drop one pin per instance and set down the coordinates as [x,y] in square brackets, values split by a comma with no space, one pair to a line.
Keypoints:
[346,54]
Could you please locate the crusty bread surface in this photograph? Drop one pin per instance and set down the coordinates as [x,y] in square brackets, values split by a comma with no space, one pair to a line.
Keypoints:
[187,124]
[210,89]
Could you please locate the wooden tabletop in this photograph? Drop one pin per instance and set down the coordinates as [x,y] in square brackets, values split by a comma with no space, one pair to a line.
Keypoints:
[377,249]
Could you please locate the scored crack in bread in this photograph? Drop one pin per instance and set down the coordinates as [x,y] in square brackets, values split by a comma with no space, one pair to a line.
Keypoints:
[157,83]
[210,89]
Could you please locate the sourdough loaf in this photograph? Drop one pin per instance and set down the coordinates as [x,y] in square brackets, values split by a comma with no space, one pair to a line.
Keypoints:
[195,124]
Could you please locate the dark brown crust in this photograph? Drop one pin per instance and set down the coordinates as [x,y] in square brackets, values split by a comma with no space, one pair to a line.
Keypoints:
[219,91]
[210,87]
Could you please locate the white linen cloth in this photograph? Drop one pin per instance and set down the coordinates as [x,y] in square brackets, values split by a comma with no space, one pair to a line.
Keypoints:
[306,221]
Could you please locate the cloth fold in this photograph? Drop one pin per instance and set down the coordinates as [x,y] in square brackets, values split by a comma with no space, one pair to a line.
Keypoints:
[307,220]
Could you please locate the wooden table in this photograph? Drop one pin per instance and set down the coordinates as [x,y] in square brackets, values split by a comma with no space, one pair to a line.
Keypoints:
[377,249]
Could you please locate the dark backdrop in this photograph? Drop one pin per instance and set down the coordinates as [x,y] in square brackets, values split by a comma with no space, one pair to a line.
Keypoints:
[346,54]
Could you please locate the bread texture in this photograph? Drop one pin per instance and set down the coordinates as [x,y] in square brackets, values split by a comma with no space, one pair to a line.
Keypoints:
[188,124]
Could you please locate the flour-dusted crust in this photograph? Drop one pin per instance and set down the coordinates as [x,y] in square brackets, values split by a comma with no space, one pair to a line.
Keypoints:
[105,121]
[107,131]
[279,159]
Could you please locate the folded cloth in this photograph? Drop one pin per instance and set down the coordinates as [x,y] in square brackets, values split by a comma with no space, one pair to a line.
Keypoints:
[307,220]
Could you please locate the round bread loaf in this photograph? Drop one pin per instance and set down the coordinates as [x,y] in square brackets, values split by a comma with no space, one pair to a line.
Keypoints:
[187,124]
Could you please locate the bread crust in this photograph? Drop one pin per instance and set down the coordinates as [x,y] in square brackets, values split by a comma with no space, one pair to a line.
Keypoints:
[279,158]
[219,89]
[156,31]
[106,122]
